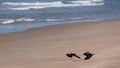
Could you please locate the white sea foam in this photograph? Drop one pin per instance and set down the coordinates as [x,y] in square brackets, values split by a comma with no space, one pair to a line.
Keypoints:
[88,2]
[8,21]
[24,19]
[42,5]
[20,20]
[52,19]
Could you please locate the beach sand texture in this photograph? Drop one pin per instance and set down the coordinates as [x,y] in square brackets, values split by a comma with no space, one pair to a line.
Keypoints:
[47,47]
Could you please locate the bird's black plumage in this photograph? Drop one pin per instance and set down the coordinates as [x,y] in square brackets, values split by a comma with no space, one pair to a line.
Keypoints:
[88,55]
[71,55]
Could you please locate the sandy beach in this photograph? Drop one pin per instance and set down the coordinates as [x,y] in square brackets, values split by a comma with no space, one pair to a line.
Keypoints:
[47,47]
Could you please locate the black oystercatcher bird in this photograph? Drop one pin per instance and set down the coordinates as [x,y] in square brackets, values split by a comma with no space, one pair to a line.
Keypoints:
[72,54]
[88,55]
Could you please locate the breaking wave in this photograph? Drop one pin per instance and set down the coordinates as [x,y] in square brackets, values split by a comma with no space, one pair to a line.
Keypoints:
[42,5]
[29,20]
[8,21]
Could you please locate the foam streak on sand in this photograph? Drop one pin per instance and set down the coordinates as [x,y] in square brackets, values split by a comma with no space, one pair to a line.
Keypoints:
[46,47]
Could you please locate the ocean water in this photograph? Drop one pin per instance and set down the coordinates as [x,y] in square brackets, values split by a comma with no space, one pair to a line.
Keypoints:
[20,15]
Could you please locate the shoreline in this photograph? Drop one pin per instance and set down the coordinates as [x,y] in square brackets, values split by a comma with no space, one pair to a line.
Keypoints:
[27,29]
[46,47]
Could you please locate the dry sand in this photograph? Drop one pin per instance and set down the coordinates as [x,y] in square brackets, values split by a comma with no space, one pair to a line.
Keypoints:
[46,47]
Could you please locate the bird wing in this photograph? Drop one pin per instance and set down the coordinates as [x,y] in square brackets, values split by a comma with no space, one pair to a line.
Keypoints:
[76,56]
